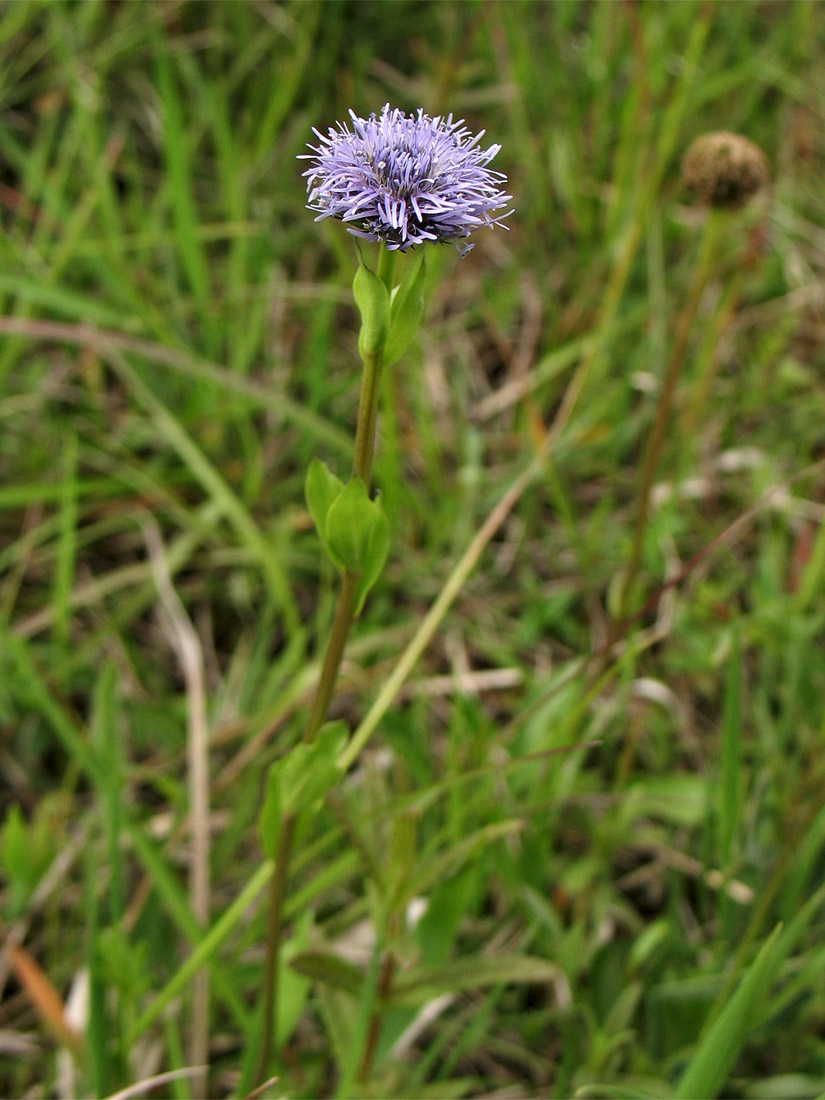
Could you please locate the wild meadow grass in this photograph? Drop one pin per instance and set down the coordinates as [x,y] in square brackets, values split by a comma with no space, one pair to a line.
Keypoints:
[582,849]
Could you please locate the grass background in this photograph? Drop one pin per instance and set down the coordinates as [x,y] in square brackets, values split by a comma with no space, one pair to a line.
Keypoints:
[178,341]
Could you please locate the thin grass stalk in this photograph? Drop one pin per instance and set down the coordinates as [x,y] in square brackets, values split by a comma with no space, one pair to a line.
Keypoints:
[652,177]
[432,620]
[190,654]
[684,324]
[385,977]
[722,321]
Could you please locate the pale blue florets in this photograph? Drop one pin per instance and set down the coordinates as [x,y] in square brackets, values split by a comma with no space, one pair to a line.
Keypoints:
[405,179]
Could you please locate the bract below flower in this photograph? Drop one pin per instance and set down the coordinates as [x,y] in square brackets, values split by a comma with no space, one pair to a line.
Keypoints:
[405,179]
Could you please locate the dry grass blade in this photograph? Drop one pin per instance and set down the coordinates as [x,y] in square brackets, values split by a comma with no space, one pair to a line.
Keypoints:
[43,996]
[187,645]
[140,1087]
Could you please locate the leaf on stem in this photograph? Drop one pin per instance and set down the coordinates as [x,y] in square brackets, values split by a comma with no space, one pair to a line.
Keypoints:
[419,984]
[406,312]
[373,301]
[298,780]
[353,528]
[325,966]
[321,489]
[358,536]
[719,1047]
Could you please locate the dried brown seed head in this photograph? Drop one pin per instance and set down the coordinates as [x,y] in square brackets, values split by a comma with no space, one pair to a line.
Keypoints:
[724,169]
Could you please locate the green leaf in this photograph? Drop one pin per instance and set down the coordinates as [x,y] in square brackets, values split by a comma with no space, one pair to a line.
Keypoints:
[203,951]
[15,859]
[310,770]
[407,311]
[679,799]
[321,489]
[269,819]
[358,536]
[377,548]
[123,964]
[348,525]
[299,779]
[402,849]
[324,966]
[421,983]
[730,784]
[353,528]
[717,1051]
[449,902]
[26,849]
[373,301]
[447,862]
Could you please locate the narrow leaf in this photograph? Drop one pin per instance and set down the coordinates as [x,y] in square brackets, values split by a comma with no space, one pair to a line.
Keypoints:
[378,544]
[321,489]
[308,771]
[407,311]
[325,966]
[352,528]
[731,751]
[720,1046]
[299,779]
[67,541]
[419,983]
[204,950]
[269,819]
[373,303]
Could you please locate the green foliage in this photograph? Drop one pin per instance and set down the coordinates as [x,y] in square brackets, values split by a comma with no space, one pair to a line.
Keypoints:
[358,537]
[557,867]
[373,301]
[299,780]
[354,529]
[25,852]
[407,309]
[322,489]
[709,1066]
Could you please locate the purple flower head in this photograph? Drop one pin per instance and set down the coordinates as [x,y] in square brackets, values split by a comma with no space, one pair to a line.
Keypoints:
[405,179]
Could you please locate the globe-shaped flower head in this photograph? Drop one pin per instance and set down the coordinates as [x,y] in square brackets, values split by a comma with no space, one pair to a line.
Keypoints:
[405,179]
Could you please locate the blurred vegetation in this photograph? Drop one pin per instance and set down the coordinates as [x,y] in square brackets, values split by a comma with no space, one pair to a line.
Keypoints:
[178,341]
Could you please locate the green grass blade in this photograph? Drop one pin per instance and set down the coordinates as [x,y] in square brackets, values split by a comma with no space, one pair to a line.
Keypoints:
[32,690]
[717,1051]
[177,140]
[265,551]
[108,746]
[67,541]
[204,951]
[729,797]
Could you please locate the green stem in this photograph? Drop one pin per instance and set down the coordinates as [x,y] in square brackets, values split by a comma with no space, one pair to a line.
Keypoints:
[362,464]
[367,414]
[371,388]
[374,1030]
[274,927]
[723,319]
[339,632]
